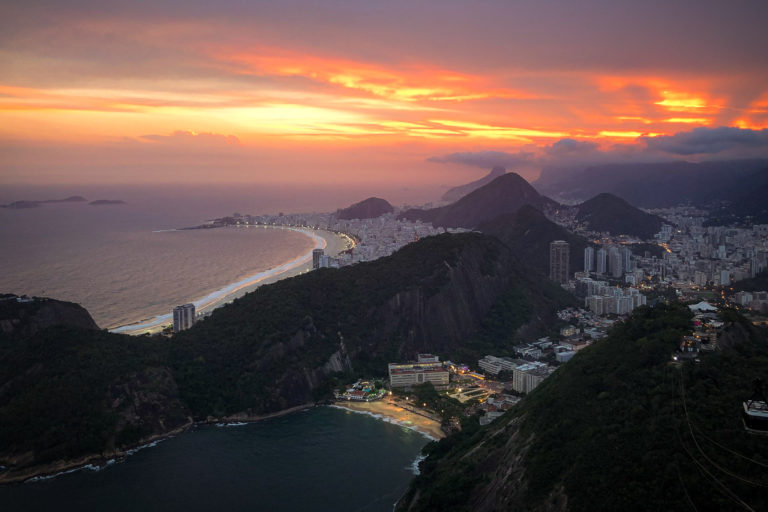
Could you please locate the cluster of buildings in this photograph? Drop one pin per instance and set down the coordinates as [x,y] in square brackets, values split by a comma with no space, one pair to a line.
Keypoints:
[699,256]
[599,296]
[756,301]
[602,298]
[361,391]
[373,238]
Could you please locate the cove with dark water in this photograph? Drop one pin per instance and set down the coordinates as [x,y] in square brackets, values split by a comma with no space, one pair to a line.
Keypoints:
[322,459]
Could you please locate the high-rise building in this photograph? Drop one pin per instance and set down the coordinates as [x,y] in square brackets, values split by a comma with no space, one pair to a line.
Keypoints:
[183,317]
[615,262]
[626,257]
[589,259]
[558,261]
[316,255]
[602,261]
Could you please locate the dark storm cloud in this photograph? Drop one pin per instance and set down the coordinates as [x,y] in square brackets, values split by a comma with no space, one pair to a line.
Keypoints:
[709,141]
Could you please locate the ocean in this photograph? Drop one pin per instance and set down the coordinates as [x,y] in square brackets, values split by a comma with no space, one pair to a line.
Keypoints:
[113,261]
[120,261]
[322,459]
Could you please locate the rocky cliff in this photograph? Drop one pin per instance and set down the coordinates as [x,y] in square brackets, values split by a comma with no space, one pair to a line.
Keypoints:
[24,316]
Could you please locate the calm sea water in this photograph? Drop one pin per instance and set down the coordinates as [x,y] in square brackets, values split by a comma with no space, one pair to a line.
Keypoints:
[111,260]
[323,459]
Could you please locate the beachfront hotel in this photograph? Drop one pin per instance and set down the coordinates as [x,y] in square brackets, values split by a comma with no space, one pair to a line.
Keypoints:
[427,368]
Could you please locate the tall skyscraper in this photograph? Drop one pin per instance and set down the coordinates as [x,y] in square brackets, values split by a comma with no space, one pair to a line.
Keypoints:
[602,261]
[589,259]
[183,317]
[316,254]
[626,257]
[558,261]
[615,262]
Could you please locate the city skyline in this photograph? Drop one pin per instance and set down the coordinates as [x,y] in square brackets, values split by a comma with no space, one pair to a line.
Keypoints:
[368,92]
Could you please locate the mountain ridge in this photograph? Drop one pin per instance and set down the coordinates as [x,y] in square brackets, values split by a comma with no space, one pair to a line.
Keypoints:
[505,194]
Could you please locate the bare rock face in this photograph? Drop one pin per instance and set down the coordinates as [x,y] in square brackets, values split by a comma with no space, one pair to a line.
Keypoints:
[25,316]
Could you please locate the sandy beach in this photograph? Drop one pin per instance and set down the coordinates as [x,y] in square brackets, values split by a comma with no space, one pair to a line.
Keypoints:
[330,242]
[390,411]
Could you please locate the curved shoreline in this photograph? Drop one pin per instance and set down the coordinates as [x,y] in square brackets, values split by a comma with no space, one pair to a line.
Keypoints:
[221,296]
[391,413]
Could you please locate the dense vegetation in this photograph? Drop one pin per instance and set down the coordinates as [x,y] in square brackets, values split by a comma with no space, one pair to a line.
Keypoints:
[528,234]
[72,391]
[607,212]
[504,195]
[54,392]
[758,283]
[617,428]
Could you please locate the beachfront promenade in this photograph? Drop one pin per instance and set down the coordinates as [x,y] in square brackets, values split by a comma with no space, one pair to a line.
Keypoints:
[330,242]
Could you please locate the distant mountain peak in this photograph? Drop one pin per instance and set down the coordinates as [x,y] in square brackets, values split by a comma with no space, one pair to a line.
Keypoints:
[456,193]
[505,194]
[366,209]
[611,213]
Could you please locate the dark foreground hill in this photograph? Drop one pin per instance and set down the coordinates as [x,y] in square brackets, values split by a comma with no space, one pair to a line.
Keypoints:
[528,234]
[620,427]
[456,193]
[68,393]
[367,209]
[607,212]
[504,195]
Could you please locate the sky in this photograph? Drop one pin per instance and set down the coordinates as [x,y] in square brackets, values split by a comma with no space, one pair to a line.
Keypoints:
[364,91]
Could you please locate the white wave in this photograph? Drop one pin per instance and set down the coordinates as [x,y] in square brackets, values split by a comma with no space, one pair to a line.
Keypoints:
[415,464]
[232,424]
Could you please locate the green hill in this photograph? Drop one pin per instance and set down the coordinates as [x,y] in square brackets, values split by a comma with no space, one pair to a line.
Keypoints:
[617,428]
[72,392]
[528,234]
[606,212]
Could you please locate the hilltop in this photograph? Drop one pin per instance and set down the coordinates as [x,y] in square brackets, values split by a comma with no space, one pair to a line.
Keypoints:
[505,194]
[69,392]
[366,209]
[456,193]
[607,212]
[528,234]
[617,428]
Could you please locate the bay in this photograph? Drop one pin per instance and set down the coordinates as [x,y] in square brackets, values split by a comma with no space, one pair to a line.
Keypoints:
[322,459]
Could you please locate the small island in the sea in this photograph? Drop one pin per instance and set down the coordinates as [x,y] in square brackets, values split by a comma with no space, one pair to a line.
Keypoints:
[19,205]
[100,202]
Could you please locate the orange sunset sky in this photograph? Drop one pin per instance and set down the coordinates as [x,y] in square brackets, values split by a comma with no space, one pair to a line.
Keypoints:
[373,91]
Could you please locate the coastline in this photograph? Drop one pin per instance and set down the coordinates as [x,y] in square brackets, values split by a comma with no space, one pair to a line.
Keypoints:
[98,461]
[332,243]
[390,412]
[381,410]
[61,467]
